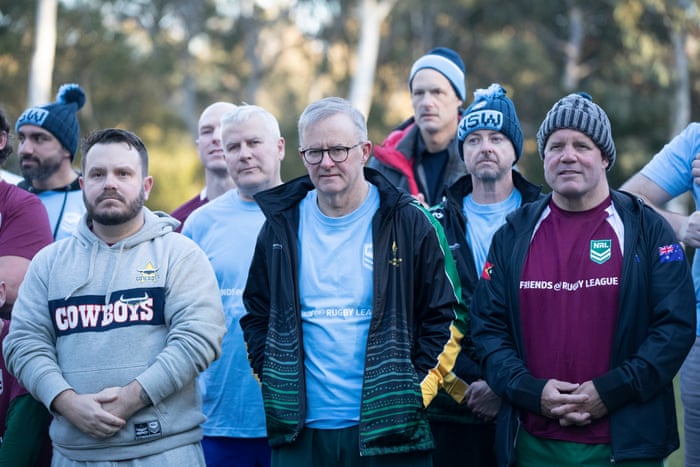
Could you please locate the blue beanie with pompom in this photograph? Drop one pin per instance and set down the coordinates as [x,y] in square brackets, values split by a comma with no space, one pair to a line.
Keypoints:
[491,110]
[58,118]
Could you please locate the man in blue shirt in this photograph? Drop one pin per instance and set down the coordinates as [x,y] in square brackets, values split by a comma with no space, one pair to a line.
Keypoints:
[226,229]
[354,312]
[490,141]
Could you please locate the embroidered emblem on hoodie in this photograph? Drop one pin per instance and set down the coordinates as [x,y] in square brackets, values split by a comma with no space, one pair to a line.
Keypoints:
[146,430]
[148,273]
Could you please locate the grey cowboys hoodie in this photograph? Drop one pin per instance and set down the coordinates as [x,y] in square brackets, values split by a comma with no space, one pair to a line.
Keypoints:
[91,316]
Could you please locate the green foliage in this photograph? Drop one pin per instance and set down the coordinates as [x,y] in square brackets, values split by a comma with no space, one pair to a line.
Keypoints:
[152,66]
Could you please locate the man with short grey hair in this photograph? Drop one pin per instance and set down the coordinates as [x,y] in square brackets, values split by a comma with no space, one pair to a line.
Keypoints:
[353,306]
[232,400]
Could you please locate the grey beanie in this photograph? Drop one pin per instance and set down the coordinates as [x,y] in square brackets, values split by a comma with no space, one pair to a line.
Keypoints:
[578,112]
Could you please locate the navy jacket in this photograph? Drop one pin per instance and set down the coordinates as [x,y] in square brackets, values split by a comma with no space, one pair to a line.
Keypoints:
[655,330]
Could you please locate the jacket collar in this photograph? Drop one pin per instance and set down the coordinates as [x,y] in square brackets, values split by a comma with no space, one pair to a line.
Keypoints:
[290,194]
[465,186]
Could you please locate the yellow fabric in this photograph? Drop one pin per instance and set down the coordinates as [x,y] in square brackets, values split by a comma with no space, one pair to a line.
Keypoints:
[446,362]
[455,387]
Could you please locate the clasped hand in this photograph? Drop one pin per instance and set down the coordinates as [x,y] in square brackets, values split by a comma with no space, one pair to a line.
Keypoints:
[571,403]
[482,401]
[102,414]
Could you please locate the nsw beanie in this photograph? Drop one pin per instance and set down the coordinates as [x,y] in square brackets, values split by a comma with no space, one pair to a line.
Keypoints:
[445,61]
[491,110]
[578,112]
[58,118]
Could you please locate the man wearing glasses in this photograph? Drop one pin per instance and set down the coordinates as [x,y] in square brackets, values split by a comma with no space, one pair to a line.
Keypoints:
[354,312]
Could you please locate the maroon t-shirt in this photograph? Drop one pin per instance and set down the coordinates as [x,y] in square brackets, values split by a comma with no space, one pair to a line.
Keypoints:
[9,386]
[24,223]
[569,294]
[182,212]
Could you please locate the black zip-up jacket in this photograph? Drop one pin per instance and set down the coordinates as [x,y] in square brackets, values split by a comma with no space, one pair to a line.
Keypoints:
[416,325]
[654,331]
[449,213]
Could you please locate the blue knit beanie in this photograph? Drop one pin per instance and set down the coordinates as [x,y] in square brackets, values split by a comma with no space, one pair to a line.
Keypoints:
[445,61]
[58,118]
[491,110]
[578,112]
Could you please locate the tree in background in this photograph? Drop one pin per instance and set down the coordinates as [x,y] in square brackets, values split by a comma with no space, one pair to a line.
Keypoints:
[151,66]
[44,53]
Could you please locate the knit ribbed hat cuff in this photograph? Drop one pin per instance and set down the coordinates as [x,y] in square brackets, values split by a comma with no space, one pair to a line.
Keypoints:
[442,65]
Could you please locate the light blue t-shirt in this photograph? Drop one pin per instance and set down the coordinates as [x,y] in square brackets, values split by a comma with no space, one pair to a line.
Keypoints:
[671,169]
[483,220]
[67,206]
[226,229]
[335,285]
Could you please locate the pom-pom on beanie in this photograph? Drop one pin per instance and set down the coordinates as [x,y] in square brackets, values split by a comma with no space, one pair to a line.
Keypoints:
[58,118]
[578,112]
[445,61]
[491,110]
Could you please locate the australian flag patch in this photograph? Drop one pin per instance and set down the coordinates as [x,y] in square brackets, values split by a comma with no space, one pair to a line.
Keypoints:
[672,252]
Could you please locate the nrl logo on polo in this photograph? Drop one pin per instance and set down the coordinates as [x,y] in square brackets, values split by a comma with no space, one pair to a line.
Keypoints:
[601,251]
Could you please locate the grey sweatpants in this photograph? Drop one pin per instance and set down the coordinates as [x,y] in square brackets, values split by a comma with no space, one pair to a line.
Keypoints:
[190,455]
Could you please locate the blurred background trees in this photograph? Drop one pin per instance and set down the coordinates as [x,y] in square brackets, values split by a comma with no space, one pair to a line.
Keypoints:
[151,66]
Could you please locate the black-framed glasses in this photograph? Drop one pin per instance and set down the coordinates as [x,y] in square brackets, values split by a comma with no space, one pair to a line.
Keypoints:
[337,154]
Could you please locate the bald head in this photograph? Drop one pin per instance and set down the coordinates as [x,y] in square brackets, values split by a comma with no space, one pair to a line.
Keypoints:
[214,112]
[209,136]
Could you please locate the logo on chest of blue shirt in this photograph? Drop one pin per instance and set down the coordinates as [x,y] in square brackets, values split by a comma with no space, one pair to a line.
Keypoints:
[601,251]
[368,256]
